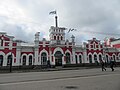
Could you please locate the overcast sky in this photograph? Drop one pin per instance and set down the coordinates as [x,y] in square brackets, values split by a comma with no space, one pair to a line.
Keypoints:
[23,18]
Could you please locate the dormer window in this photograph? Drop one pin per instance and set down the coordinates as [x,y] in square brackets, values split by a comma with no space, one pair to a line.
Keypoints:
[94,46]
[91,46]
[1,42]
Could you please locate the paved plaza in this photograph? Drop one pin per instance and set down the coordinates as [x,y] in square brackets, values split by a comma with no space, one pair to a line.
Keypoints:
[82,79]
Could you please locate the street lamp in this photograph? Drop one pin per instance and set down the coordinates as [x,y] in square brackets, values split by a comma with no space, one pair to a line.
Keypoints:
[11,56]
[11,62]
[33,58]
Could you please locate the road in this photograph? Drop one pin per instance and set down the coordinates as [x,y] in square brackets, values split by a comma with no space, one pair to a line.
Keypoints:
[85,79]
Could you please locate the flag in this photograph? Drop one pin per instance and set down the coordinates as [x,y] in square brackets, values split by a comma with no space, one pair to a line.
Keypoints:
[71,30]
[52,12]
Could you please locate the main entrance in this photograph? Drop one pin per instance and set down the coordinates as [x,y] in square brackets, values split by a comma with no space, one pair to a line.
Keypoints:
[58,58]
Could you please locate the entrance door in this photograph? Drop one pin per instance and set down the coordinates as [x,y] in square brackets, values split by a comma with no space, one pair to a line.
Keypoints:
[58,58]
[58,61]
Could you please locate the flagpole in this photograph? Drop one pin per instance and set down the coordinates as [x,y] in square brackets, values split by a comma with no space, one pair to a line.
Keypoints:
[55,13]
[56,21]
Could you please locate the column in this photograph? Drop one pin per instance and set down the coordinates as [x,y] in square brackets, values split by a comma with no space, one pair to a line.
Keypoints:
[18,57]
[85,56]
[35,60]
[73,52]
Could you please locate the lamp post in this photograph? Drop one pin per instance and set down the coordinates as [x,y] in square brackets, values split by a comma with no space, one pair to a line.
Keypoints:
[11,62]
[10,56]
[33,58]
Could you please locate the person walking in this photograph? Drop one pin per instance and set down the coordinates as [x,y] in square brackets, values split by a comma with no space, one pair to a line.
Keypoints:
[103,65]
[112,63]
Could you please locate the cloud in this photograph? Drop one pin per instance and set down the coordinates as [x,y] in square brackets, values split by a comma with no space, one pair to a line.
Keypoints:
[100,16]
[26,17]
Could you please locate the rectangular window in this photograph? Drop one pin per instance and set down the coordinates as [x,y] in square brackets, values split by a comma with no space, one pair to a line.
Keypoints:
[91,46]
[14,60]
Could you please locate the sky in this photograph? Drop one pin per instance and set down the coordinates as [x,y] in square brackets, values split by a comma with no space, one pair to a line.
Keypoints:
[91,18]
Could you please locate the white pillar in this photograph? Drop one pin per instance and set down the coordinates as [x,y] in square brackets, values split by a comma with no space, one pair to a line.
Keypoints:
[73,52]
[36,56]
[63,59]
[4,61]
[27,60]
[18,58]
[85,56]
[53,57]
[50,56]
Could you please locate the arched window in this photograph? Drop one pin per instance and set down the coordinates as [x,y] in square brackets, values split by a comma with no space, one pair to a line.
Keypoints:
[80,58]
[100,57]
[54,37]
[76,59]
[61,38]
[24,60]
[1,60]
[90,58]
[67,58]
[95,58]
[107,58]
[30,60]
[57,37]
[44,58]
[114,58]
[9,58]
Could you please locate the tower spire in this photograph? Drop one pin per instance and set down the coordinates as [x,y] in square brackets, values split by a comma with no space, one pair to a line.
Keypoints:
[56,22]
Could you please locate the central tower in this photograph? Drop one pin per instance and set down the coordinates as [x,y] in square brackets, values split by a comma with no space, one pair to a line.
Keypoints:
[57,34]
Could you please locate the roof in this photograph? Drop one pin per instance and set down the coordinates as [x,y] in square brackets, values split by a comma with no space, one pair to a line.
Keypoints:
[28,44]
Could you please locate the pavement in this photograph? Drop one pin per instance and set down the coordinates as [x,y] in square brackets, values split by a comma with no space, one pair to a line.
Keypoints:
[47,69]
[80,79]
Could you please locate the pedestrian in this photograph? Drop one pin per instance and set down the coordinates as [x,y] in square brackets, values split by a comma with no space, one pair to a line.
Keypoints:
[112,63]
[102,65]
